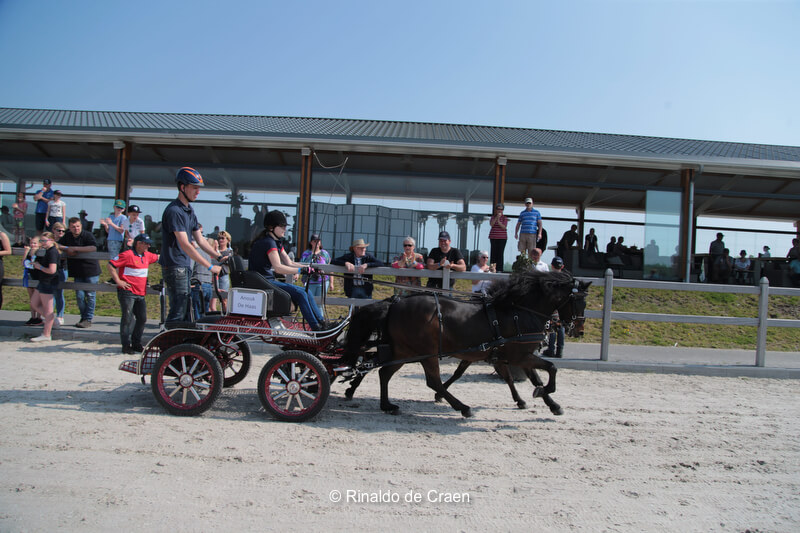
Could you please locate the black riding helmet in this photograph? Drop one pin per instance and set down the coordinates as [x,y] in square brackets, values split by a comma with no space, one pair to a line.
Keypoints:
[274,218]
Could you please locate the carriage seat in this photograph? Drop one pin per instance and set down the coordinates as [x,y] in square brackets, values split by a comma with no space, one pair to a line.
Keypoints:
[248,279]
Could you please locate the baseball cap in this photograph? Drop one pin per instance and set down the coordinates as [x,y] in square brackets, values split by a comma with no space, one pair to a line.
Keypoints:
[313,237]
[528,200]
[134,209]
[557,262]
[444,235]
[119,203]
[500,206]
[142,237]
[47,181]
[57,192]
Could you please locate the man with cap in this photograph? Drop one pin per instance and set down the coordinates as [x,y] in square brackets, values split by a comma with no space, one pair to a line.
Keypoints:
[530,224]
[43,197]
[445,256]
[113,225]
[358,261]
[129,272]
[179,228]
[133,225]
[556,337]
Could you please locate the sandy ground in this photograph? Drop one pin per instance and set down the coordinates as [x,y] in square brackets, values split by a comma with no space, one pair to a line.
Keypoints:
[85,447]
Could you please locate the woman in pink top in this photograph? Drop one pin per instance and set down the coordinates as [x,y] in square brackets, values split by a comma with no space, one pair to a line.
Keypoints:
[498,235]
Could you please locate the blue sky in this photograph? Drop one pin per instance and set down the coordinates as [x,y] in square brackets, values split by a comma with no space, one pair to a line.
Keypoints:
[713,70]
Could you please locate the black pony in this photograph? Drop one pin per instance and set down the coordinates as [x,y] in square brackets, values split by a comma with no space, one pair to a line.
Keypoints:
[421,327]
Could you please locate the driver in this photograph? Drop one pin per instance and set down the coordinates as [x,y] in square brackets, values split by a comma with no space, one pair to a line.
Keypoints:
[267,257]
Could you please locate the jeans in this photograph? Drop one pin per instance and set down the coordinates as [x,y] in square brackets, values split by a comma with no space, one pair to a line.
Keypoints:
[58,296]
[555,341]
[176,281]
[361,291]
[114,248]
[315,289]
[308,306]
[201,298]
[134,318]
[86,299]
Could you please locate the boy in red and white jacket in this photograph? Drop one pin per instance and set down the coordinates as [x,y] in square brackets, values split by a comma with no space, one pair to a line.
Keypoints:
[129,272]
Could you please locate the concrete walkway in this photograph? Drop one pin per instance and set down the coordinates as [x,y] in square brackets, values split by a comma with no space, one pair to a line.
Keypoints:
[581,356]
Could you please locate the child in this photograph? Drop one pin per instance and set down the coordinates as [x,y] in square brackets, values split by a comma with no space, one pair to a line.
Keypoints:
[133,226]
[30,274]
[129,272]
[20,207]
[55,210]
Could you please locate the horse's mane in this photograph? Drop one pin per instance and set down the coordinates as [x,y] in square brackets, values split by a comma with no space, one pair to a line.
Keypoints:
[522,285]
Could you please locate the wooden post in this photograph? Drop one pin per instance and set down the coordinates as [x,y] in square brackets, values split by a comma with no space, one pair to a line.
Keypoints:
[122,178]
[499,191]
[303,218]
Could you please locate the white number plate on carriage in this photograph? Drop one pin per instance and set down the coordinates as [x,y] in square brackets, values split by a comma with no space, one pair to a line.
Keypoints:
[250,302]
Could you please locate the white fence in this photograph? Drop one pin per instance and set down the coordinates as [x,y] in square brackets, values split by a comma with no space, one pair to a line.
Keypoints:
[607,314]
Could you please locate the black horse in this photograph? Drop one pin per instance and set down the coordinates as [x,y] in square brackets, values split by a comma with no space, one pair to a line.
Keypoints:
[421,327]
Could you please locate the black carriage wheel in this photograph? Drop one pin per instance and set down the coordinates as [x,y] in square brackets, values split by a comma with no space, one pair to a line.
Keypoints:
[293,386]
[187,380]
[234,357]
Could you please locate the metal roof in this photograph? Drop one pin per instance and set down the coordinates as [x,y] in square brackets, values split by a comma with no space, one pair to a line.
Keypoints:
[416,133]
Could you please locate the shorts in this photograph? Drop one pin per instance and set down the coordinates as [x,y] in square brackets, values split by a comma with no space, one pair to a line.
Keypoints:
[47,287]
[20,223]
[527,241]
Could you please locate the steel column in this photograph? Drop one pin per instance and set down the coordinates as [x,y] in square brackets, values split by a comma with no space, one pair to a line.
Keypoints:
[303,217]
[687,222]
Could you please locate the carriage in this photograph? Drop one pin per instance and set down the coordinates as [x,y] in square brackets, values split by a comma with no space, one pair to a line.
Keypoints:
[190,363]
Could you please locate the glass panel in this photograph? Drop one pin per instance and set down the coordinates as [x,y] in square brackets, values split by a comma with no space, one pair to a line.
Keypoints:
[662,235]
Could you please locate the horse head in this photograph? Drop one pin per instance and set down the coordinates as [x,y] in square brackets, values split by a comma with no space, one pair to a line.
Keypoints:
[571,310]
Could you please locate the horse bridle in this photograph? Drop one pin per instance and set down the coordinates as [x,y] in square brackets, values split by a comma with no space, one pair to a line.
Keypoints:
[571,299]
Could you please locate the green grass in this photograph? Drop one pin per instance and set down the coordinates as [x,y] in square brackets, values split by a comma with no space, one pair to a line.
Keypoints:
[622,332]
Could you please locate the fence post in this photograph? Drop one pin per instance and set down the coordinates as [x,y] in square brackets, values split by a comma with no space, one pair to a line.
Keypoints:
[763,315]
[445,278]
[607,294]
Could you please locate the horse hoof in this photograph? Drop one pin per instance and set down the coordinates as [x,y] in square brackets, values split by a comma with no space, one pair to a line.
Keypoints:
[437,398]
[558,411]
[348,395]
[391,409]
[466,412]
[537,392]
[522,405]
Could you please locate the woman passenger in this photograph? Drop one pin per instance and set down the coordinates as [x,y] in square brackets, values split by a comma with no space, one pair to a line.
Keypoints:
[408,259]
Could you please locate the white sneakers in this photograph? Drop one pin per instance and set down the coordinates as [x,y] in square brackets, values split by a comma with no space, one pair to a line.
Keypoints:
[42,338]
[58,322]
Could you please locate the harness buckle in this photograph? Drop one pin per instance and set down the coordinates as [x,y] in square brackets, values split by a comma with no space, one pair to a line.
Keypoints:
[484,347]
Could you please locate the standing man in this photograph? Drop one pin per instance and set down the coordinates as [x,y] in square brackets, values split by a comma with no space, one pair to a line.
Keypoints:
[129,272]
[556,335]
[43,197]
[715,251]
[358,261]
[445,256]
[530,222]
[115,229]
[179,227]
[75,241]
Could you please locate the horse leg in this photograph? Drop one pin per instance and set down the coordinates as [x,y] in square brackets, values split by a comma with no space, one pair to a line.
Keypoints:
[462,367]
[386,373]
[544,391]
[434,380]
[503,371]
[353,386]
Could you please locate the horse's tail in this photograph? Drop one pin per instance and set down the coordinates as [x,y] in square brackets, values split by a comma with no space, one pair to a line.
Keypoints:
[366,321]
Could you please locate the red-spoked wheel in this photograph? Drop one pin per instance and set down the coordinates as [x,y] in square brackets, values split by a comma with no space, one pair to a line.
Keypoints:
[187,379]
[293,386]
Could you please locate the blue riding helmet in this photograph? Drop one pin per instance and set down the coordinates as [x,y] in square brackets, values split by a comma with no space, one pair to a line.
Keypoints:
[188,176]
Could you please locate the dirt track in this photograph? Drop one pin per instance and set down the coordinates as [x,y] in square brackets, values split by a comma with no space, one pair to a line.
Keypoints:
[86,447]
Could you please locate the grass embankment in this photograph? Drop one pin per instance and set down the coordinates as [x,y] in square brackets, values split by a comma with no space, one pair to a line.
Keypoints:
[622,332]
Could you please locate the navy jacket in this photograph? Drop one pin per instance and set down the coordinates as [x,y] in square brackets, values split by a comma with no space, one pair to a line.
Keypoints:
[350,257]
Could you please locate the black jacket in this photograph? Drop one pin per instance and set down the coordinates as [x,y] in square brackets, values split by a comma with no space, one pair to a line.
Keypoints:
[350,257]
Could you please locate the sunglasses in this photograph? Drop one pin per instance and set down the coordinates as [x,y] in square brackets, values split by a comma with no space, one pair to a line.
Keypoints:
[408,245]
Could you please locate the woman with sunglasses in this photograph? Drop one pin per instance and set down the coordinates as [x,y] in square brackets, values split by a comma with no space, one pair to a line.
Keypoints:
[498,236]
[47,267]
[315,254]
[408,259]
[223,248]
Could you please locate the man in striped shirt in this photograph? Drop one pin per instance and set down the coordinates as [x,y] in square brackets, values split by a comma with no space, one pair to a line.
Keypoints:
[530,221]
[129,272]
